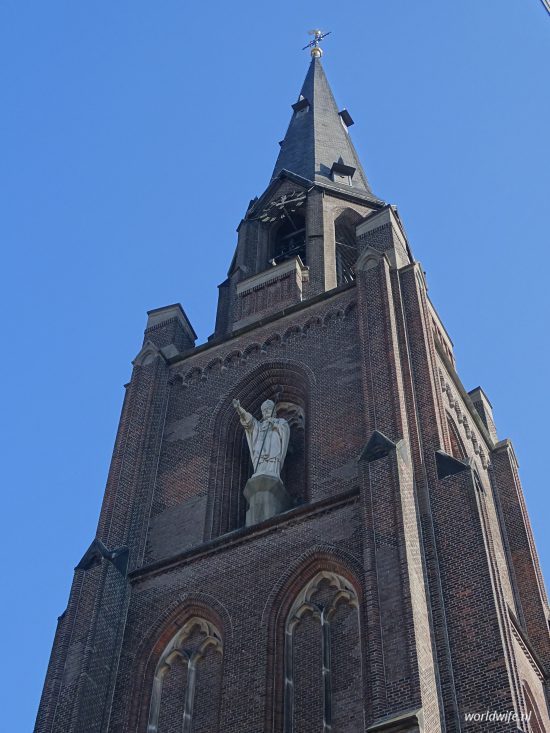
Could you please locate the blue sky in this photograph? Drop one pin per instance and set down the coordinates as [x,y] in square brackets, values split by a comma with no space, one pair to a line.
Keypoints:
[133,134]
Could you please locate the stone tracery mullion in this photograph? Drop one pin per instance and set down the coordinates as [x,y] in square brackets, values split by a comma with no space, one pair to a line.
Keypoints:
[289,679]
[190,694]
[343,592]
[327,682]
[155,705]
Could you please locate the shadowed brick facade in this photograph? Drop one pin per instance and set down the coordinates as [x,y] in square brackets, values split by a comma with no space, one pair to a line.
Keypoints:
[402,590]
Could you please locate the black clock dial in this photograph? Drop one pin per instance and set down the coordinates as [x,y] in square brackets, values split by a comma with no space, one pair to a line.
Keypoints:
[283,207]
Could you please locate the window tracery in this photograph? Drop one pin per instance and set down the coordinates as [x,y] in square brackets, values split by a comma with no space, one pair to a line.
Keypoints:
[188,671]
[321,631]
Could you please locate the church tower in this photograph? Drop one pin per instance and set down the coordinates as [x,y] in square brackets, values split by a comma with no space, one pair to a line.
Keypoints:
[309,524]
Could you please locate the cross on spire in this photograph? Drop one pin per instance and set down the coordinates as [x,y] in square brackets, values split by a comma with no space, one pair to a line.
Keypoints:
[318,35]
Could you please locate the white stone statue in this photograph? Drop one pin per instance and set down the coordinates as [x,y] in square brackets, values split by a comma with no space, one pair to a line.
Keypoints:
[267,439]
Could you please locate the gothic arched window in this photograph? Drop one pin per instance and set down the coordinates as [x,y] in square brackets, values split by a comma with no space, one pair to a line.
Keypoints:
[187,682]
[322,658]
[346,245]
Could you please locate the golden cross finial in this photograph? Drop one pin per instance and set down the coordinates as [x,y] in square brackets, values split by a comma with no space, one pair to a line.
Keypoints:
[316,50]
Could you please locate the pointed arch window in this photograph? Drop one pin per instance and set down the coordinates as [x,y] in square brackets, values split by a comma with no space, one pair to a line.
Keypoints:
[187,681]
[322,657]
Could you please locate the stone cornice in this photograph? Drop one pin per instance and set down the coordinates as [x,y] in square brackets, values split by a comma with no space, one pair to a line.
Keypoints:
[506,445]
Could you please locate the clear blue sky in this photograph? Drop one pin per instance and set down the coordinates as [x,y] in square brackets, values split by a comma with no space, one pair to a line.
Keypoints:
[133,135]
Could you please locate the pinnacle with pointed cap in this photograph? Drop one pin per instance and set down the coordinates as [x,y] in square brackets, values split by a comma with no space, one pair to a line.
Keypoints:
[317,137]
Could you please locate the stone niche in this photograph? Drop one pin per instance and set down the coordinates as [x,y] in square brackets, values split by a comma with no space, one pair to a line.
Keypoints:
[270,291]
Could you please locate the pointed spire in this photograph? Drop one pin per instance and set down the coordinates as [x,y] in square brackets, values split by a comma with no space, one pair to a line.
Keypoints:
[317,145]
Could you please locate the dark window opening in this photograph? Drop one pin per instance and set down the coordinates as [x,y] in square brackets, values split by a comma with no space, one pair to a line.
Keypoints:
[289,240]
[346,246]
[293,471]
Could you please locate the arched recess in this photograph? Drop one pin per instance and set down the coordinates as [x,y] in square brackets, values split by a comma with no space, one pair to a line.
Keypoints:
[533,714]
[457,446]
[230,462]
[346,245]
[186,688]
[315,641]
[182,623]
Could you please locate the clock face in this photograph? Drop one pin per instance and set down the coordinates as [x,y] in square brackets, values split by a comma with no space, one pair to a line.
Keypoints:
[283,207]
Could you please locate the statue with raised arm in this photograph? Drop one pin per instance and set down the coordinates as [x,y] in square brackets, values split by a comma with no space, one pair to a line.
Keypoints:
[267,439]
[267,442]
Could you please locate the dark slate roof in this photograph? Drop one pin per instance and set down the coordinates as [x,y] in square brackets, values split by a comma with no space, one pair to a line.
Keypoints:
[316,137]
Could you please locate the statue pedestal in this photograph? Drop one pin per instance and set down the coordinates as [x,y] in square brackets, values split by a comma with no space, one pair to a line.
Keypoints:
[266,497]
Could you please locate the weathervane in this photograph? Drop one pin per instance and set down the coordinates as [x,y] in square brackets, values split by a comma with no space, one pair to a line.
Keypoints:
[316,50]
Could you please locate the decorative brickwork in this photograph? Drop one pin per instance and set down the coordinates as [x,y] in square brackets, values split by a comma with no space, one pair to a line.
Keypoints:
[273,290]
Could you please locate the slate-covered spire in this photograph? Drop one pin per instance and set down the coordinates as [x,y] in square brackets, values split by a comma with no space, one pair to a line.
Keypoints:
[317,138]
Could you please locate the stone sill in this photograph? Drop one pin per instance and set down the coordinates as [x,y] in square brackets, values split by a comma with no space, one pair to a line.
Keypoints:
[244,534]
[406,722]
